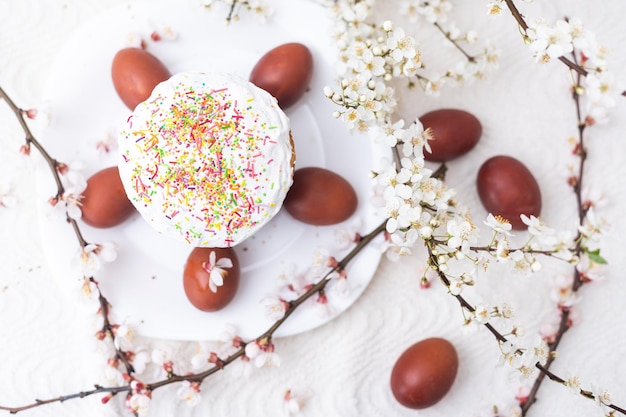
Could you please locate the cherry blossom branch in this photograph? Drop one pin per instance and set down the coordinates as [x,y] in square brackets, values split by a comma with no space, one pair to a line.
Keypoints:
[219,363]
[519,18]
[500,337]
[582,208]
[109,329]
[54,165]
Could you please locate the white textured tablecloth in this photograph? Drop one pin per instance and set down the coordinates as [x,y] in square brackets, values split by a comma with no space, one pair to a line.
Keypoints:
[46,349]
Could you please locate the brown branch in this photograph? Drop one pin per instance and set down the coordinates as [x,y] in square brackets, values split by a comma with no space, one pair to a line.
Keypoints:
[52,163]
[469,57]
[564,323]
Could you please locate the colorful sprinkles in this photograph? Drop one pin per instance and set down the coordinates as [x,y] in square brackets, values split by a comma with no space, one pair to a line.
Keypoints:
[208,156]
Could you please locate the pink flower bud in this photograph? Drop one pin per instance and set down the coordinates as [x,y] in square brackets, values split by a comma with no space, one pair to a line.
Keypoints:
[155,36]
[322,299]
[31,113]
[168,366]
[25,149]
[237,341]
[62,168]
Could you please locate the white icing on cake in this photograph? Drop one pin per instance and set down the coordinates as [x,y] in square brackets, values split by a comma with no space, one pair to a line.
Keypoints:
[207,158]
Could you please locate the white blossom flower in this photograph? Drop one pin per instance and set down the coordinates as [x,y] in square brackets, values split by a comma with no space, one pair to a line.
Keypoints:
[134,40]
[107,144]
[357,12]
[460,233]
[456,285]
[262,354]
[7,199]
[537,227]
[216,270]
[498,224]
[203,357]
[340,286]
[292,282]
[435,11]
[74,185]
[124,336]
[602,91]
[573,383]
[415,141]
[562,292]
[189,392]
[90,290]
[295,400]
[345,237]
[502,250]
[163,31]
[274,306]
[91,258]
[161,355]
[593,228]
[140,359]
[589,270]
[401,45]
[494,8]
[113,375]
[482,313]
[139,404]
[389,134]
[601,396]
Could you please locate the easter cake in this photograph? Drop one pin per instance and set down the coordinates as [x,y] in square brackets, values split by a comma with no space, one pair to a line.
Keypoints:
[208,158]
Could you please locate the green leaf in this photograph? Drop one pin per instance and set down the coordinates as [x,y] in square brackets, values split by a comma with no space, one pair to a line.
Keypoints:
[595,256]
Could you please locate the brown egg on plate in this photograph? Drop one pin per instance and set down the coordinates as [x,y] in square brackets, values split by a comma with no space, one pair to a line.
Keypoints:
[320,197]
[424,373]
[211,277]
[285,72]
[507,188]
[104,203]
[455,132]
[135,73]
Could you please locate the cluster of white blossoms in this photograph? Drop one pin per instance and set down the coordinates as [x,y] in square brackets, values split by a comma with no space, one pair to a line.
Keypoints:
[569,38]
[416,204]
[259,8]
[371,55]
[523,360]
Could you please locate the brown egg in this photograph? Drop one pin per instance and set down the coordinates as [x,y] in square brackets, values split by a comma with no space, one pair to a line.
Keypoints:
[104,203]
[455,133]
[508,189]
[135,73]
[285,72]
[424,373]
[320,197]
[196,277]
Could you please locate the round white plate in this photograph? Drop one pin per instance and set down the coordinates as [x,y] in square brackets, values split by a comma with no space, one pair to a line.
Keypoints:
[144,284]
